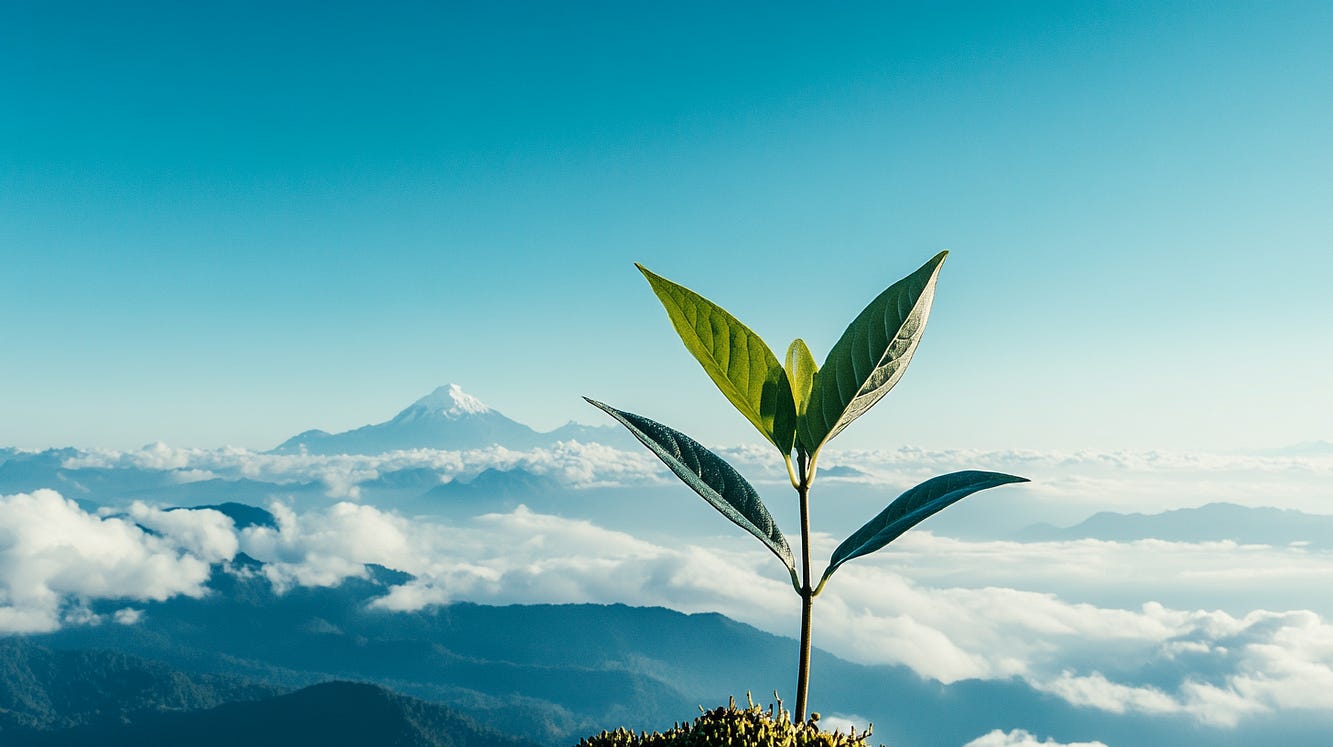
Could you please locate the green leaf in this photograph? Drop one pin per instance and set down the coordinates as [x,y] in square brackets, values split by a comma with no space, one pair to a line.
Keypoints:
[910,509]
[871,355]
[738,361]
[711,477]
[801,368]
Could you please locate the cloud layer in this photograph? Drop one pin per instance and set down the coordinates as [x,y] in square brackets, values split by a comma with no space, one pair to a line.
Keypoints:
[1079,481]
[905,607]
[571,462]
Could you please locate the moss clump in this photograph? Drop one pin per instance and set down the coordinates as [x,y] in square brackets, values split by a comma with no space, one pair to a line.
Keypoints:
[735,727]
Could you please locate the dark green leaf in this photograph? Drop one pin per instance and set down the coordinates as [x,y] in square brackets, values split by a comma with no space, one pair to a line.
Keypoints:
[871,355]
[911,508]
[736,359]
[709,476]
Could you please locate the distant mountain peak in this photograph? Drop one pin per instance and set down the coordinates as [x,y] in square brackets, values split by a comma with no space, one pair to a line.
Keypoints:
[447,418]
[450,401]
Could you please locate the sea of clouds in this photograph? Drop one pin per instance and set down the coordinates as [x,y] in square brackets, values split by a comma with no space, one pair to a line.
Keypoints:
[950,609]
[576,464]
[1083,481]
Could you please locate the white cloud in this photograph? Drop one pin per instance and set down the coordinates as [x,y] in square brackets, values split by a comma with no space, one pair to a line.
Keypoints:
[204,533]
[53,556]
[1098,692]
[323,548]
[1089,480]
[570,462]
[1283,661]
[1221,574]
[844,723]
[1216,667]
[1069,486]
[1210,665]
[907,606]
[525,557]
[186,476]
[1021,738]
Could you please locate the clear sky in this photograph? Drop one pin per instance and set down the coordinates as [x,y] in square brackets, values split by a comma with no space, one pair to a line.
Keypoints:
[224,223]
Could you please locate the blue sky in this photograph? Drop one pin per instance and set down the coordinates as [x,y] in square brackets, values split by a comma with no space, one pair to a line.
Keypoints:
[226,223]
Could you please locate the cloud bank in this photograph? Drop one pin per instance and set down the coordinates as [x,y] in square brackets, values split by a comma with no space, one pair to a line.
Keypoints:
[898,608]
[1079,481]
[570,462]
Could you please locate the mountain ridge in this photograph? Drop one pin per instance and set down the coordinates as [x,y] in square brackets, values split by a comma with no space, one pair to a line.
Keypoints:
[446,418]
[43,688]
[1211,522]
[553,673]
[115,699]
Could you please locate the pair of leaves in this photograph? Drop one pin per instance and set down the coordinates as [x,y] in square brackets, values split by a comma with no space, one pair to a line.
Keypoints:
[799,404]
[718,483]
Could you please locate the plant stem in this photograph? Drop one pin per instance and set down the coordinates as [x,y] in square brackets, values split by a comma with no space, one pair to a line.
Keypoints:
[807,594]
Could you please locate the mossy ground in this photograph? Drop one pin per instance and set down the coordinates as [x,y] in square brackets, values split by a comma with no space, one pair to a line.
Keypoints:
[752,726]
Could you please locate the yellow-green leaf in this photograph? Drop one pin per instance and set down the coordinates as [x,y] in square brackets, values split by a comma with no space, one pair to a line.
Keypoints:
[801,368]
[736,359]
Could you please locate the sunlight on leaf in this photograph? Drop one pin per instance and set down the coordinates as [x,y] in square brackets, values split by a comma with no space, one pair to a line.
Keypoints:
[871,355]
[736,359]
[801,370]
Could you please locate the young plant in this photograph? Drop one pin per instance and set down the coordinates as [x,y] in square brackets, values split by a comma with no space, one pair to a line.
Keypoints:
[799,407]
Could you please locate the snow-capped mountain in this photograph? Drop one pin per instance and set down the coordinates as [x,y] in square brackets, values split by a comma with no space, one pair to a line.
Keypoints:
[449,402]
[447,418]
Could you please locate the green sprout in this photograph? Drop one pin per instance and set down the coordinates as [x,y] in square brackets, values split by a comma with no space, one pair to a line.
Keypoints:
[799,407]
